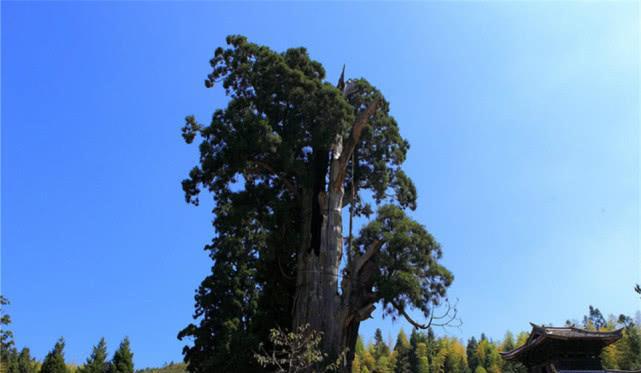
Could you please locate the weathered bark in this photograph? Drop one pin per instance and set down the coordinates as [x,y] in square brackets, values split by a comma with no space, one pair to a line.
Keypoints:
[318,301]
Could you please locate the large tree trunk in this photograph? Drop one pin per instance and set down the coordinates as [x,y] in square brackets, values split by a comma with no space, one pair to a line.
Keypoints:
[318,301]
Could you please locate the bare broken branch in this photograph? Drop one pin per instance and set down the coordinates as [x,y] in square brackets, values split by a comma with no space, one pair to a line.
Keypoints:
[450,316]
[369,253]
[350,143]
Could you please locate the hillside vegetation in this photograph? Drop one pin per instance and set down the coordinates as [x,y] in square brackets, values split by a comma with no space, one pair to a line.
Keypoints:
[167,368]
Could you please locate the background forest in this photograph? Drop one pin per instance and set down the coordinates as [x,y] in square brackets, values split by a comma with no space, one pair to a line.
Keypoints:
[420,352]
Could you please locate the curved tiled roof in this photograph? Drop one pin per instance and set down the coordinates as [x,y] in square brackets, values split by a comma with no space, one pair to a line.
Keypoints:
[542,333]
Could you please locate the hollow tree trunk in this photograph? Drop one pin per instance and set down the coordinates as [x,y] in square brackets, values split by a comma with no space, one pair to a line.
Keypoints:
[318,301]
[330,258]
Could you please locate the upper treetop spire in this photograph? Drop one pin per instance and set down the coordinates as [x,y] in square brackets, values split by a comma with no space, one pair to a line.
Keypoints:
[341,80]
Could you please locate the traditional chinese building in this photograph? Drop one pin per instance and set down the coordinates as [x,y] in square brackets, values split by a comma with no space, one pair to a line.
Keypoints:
[565,349]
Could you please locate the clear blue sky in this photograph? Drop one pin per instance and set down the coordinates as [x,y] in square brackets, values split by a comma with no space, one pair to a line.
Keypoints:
[523,120]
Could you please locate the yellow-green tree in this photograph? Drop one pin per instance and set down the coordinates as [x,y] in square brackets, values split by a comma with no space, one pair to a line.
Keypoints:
[368,362]
[450,357]
[384,365]
[521,338]
[356,364]
[422,359]
[626,353]
[488,356]
[480,369]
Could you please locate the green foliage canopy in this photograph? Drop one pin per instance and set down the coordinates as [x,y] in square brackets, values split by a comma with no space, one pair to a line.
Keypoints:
[265,160]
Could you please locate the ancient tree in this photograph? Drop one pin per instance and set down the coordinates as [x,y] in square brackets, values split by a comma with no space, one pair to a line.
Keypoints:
[288,158]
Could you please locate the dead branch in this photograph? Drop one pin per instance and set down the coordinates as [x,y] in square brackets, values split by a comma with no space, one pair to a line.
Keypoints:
[450,316]
[369,253]
[350,144]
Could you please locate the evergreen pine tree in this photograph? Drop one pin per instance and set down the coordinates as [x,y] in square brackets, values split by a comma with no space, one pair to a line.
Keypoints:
[472,360]
[122,361]
[415,339]
[403,354]
[280,131]
[432,347]
[380,347]
[54,362]
[97,362]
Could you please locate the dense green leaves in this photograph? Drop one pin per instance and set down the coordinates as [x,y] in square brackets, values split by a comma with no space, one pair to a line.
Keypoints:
[227,300]
[261,144]
[265,159]
[409,273]
[280,112]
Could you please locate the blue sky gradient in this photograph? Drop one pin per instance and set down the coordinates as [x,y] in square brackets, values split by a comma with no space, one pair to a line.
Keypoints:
[523,119]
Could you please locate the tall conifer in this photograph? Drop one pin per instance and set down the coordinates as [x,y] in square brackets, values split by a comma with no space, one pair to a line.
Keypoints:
[403,354]
[54,362]
[472,360]
[26,363]
[97,362]
[123,360]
